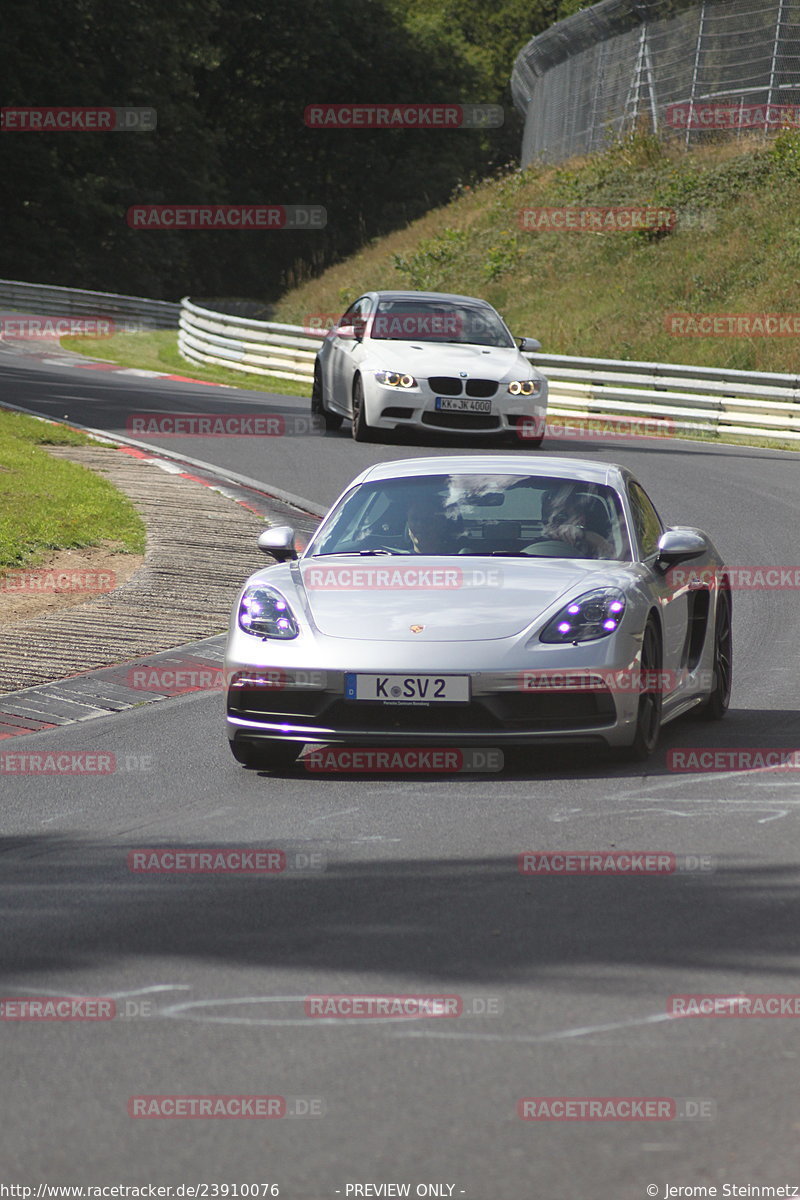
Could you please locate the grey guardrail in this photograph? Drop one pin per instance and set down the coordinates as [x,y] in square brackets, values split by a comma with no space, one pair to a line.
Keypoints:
[51,301]
[653,397]
[244,344]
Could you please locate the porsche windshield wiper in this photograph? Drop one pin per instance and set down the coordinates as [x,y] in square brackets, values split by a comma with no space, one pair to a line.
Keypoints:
[354,553]
[495,554]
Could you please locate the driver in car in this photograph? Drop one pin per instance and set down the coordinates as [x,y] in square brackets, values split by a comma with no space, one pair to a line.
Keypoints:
[432,530]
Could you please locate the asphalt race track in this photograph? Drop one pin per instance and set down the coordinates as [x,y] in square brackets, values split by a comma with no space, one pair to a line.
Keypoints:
[415,890]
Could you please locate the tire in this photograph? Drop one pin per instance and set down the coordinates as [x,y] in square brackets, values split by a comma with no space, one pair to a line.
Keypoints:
[715,707]
[524,442]
[362,432]
[332,420]
[265,756]
[648,717]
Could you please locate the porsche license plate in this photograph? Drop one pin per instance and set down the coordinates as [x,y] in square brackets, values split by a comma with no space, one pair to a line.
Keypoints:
[408,689]
[462,404]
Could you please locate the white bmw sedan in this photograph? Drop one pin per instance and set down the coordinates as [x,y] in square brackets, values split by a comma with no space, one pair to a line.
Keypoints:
[428,360]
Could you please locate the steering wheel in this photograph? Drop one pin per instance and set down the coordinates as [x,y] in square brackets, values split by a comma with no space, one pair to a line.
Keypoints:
[550,548]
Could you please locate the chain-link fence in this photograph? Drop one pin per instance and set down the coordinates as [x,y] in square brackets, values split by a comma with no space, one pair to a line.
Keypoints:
[688,68]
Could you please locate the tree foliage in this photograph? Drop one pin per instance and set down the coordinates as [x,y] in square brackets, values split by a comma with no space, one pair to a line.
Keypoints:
[230,84]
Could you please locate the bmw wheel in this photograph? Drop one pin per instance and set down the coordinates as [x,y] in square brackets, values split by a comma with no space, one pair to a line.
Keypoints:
[362,431]
[332,420]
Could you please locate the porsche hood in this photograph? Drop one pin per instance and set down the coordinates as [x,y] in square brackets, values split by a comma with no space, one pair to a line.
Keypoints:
[422,599]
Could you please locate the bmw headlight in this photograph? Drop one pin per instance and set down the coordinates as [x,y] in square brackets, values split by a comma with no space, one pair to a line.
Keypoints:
[264,613]
[595,615]
[525,387]
[395,379]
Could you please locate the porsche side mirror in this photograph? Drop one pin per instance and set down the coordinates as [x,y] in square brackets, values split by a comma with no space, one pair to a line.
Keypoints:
[680,545]
[345,331]
[529,345]
[279,542]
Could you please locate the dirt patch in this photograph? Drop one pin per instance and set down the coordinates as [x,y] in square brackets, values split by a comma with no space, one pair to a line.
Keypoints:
[68,578]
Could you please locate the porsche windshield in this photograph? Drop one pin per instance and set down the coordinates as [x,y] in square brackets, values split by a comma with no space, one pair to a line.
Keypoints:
[434,321]
[503,515]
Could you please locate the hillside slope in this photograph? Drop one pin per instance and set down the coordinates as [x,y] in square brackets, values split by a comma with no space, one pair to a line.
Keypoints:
[735,249]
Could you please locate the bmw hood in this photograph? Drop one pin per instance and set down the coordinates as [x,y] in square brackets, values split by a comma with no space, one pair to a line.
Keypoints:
[417,598]
[423,360]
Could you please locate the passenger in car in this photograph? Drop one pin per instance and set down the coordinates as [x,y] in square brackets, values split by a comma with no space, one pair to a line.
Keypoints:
[580,521]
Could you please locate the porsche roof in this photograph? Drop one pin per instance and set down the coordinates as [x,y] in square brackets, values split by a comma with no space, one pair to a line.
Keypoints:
[497,464]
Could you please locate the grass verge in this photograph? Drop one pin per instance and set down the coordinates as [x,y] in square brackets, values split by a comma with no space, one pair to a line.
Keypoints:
[157,350]
[47,504]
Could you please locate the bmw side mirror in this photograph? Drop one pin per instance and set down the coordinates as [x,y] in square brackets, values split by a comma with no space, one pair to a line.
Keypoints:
[529,345]
[345,331]
[279,542]
[680,545]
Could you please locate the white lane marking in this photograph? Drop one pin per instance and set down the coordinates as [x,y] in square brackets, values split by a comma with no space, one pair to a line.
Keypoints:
[754,775]
[33,989]
[170,467]
[330,816]
[742,806]
[373,837]
[181,1011]
[557,1035]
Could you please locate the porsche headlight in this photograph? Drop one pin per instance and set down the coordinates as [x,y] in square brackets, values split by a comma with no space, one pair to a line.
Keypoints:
[595,615]
[264,613]
[395,379]
[525,387]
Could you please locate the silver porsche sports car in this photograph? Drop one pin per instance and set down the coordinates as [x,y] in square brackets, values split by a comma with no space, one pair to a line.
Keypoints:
[481,600]
[428,360]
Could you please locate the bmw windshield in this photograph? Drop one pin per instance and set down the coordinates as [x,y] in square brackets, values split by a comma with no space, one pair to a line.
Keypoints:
[434,321]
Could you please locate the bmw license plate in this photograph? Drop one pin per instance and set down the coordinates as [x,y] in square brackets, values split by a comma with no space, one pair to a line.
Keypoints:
[407,689]
[462,404]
